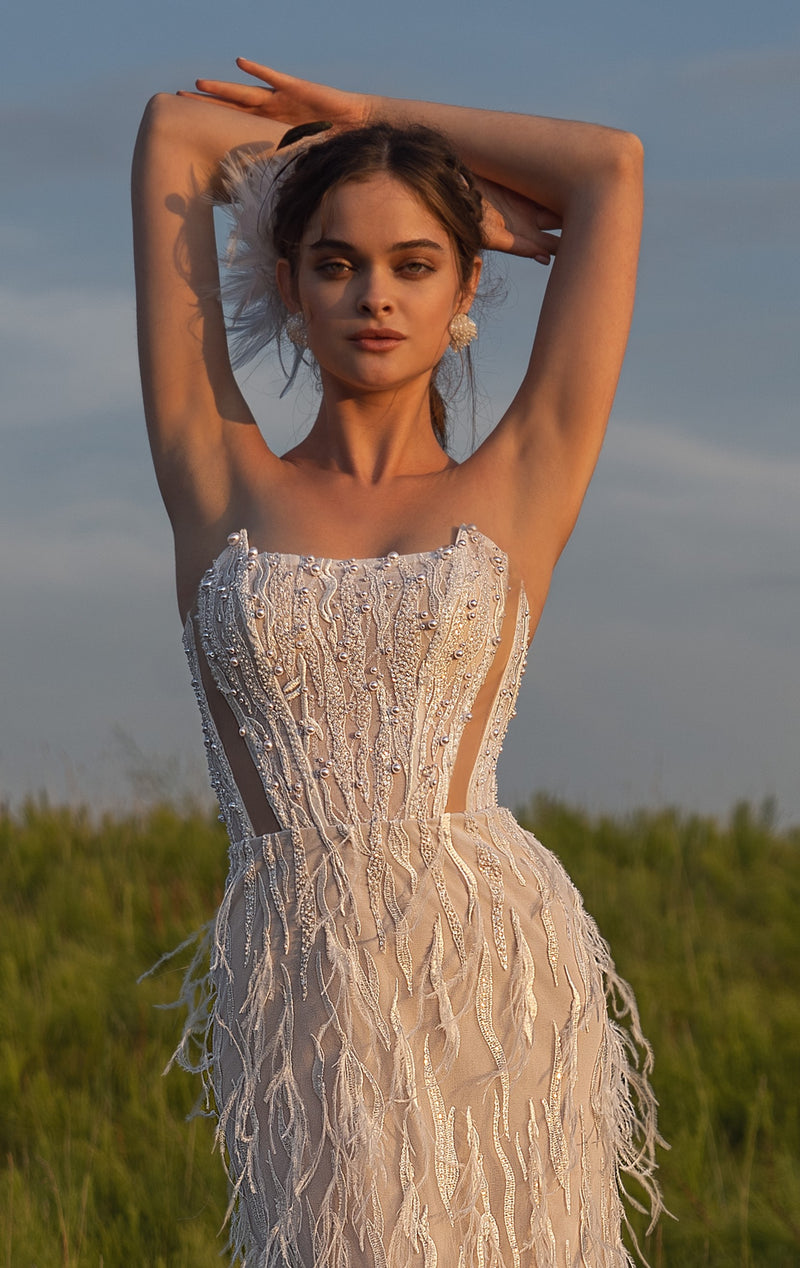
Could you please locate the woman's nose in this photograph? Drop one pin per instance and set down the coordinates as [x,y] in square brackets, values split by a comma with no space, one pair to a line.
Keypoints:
[375,294]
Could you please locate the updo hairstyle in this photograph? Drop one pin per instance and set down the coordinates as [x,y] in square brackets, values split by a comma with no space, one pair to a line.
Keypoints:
[419,157]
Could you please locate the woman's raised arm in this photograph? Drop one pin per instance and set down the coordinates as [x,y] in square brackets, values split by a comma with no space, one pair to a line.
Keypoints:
[539,459]
[200,428]
[545,448]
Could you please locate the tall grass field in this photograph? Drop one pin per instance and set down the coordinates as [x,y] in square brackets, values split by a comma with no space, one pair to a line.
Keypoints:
[100,1168]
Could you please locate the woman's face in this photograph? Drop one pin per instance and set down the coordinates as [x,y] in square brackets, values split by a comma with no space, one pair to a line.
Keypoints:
[378,284]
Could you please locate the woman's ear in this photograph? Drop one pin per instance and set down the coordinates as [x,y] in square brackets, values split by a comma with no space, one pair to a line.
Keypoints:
[470,289]
[286,286]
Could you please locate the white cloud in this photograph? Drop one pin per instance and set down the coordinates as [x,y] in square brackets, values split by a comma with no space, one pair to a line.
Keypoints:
[78,131]
[698,471]
[665,665]
[738,72]
[89,548]
[66,353]
[700,509]
[753,213]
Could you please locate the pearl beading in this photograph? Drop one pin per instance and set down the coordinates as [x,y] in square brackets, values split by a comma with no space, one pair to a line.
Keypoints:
[439,964]
[352,681]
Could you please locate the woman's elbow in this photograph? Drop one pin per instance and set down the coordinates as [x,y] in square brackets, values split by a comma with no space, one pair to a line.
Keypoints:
[160,113]
[629,153]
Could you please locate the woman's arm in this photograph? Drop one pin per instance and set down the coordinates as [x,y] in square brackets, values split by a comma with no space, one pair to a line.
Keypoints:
[540,458]
[199,425]
[546,446]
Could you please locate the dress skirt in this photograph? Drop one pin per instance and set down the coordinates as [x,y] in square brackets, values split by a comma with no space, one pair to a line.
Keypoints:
[432,1062]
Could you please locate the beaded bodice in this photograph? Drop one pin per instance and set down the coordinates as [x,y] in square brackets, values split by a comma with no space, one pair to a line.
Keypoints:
[343,691]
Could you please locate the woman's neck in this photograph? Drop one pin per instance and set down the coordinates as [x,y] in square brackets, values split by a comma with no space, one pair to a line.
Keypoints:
[373,437]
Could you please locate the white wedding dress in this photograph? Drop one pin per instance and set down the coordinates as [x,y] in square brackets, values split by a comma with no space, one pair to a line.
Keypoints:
[404,1028]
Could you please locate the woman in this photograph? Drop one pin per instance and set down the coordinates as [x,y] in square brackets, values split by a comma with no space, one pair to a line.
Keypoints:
[408,1046]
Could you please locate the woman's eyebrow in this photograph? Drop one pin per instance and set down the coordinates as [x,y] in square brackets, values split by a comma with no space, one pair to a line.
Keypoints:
[338,244]
[415,244]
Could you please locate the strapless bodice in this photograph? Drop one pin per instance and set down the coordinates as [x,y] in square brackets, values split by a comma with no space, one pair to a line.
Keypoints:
[356,689]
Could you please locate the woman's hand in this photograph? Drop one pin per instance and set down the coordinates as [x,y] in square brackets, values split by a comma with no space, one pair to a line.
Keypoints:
[285,99]
[515,224]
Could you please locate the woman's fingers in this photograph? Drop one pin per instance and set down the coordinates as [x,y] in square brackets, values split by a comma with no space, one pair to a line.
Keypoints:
[201,96]
[301,101]
[544,248]
[515,236]
[286,99]
[539,248]
[216,101]
[547,219]
[517,225]
[265,73]
[246,96]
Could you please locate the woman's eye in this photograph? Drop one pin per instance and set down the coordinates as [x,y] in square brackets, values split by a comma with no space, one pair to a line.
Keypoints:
[416,268]
[333,268]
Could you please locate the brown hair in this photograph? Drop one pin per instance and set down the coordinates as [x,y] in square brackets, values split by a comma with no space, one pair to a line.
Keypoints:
[419,157]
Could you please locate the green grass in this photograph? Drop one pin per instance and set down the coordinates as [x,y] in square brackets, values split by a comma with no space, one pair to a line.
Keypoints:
[704,921]
[100,1168]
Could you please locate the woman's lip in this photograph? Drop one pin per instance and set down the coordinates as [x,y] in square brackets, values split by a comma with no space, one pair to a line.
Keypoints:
[377,340]
[377,334]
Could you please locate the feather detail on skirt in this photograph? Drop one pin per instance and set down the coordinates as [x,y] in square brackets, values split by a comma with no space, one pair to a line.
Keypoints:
[456,1096]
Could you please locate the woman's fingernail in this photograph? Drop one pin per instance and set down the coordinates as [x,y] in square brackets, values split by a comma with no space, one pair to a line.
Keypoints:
[542,259]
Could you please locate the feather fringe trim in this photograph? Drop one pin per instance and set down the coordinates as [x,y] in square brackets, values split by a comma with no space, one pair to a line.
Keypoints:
[351,1125]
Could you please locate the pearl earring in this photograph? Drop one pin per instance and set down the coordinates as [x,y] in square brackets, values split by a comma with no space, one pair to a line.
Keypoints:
[462,332]
[296,330]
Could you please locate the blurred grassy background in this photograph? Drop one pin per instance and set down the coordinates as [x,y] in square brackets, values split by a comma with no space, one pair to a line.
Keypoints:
[100,1168]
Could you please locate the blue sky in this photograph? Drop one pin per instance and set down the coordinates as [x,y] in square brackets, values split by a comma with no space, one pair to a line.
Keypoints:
[665,668]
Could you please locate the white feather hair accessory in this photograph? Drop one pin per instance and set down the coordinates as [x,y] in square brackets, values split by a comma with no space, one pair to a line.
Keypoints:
[255,313]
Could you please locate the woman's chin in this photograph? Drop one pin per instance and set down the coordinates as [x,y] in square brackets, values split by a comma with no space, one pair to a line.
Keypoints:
[371,374]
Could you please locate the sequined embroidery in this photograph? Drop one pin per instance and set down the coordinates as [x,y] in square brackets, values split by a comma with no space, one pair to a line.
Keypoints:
[484,1010]
[446,1161]
[378,938]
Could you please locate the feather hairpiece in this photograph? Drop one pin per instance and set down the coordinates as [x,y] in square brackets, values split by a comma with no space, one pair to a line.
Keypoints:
[256,314]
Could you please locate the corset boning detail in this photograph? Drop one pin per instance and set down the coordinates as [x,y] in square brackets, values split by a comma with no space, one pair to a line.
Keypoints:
[356,690]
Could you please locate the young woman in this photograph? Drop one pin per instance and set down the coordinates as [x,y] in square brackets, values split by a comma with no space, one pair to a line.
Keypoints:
[407,1042]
